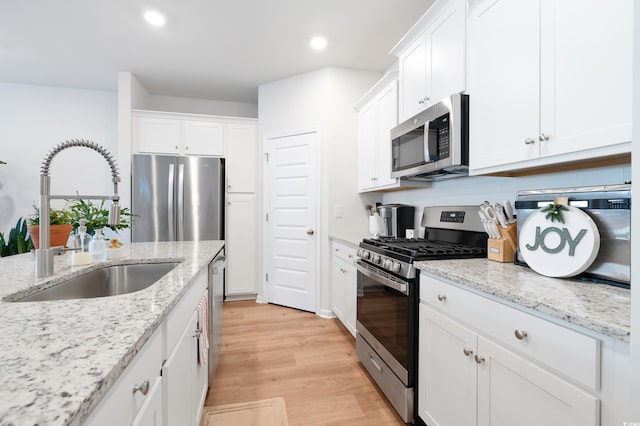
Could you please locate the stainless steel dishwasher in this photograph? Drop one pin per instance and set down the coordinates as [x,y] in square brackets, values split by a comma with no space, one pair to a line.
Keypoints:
[216,296]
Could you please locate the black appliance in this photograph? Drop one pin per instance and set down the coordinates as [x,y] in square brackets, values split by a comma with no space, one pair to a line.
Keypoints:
[387,300]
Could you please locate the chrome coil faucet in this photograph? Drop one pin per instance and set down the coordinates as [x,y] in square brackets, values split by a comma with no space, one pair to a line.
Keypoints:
[44,254]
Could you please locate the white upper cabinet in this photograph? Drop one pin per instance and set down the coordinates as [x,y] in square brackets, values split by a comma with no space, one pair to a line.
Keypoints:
[378,114]
[432,58]
[549,82]
[241,142]
[178,134]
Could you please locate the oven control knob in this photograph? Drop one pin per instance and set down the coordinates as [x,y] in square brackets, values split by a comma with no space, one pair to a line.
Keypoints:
[360,252]
[366,254]
[387,264]
[396,267]
[376,259]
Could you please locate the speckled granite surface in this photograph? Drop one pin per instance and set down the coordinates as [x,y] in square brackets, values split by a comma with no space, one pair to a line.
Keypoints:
[58,358]
[602,308]
[351,240]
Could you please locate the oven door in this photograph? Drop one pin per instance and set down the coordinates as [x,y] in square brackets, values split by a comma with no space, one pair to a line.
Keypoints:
[386,318]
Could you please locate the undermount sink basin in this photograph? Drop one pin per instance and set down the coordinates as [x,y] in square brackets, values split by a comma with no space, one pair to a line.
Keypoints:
[108,281]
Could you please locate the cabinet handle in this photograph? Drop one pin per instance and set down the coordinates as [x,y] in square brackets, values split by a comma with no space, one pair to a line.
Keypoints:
[543,137]
[342,270]
[520,335]
[337,250]
[467,351]
[198,333]
[442,297]
[143,388]
[350,256]
[176,147]
[529,141]
[186,148]
[479,359]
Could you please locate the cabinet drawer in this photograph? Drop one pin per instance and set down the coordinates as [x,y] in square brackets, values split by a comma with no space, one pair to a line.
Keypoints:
[573,354]
[120,405]
[344,252]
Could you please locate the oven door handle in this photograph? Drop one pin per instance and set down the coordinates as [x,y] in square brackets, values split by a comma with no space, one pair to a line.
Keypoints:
[401,287]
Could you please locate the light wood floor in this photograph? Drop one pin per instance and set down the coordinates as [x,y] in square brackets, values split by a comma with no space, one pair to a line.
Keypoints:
[271,351]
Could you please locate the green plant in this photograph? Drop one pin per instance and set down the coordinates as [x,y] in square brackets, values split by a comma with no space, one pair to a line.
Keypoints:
[56,217]
[97,216]
[19,240]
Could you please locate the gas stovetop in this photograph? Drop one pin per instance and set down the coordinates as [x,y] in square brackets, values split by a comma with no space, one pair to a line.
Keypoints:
[423,249]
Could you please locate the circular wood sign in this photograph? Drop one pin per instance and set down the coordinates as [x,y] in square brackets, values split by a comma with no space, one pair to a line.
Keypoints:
[557,249]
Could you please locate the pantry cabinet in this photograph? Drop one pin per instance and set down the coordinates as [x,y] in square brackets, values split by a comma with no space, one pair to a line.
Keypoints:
[431,58]
[240,149]
[240,279]
[549,82]
[344,284]
[163,133]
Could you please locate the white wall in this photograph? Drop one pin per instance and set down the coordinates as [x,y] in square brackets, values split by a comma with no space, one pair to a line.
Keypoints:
[476,189]
[322,100]
[35,118]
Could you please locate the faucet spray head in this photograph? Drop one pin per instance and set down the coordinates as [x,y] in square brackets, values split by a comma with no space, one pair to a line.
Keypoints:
[114,213]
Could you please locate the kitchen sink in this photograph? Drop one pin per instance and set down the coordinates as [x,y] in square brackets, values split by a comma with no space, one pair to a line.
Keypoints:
[108,281]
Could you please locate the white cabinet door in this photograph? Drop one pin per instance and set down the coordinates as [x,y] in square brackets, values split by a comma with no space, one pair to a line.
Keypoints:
[203,138]
[177,377]
[446,371]
[240,245]
[350,297]
[413,84]
[240,151]
[367,146]
[150,413]
[158,135]
[513,391]
[504,82]
[387,119]
[337,287]
[586,65]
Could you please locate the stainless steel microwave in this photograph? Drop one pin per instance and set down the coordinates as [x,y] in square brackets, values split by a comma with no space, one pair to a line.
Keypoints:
[434,144]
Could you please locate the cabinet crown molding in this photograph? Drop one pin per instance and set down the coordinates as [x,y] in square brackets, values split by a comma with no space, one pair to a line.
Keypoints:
[375,89]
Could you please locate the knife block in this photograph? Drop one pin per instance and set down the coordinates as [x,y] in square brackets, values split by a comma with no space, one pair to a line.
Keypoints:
[503,249]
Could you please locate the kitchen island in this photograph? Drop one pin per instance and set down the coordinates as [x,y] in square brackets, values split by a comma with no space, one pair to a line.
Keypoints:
[59,358]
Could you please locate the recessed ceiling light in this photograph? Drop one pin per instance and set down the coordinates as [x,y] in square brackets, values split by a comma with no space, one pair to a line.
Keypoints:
[318,43]
[155,18]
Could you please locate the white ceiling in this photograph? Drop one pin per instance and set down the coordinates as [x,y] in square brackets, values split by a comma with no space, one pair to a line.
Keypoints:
[209,49]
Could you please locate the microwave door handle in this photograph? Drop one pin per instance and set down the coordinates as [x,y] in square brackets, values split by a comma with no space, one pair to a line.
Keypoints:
[427,157]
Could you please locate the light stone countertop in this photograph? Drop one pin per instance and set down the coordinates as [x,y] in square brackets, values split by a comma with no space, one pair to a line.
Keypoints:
[352,240]
[602,308]
[59,358]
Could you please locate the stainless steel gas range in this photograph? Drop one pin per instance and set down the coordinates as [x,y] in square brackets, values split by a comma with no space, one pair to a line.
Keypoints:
[387,302]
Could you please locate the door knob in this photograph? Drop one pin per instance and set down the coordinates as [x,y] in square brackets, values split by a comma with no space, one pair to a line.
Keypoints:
[310,232]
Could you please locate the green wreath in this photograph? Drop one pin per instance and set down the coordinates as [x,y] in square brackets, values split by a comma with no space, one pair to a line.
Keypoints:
[554,212]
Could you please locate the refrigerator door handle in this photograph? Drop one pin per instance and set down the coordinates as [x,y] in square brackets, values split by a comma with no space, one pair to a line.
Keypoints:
[170,203]
[180,202]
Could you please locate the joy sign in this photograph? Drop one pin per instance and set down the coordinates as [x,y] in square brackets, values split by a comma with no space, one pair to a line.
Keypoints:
[559,249]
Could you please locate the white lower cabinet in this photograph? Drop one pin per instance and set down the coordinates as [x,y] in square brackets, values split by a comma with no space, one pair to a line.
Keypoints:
[344,285]
[482,362]
[164,384]
[240,236]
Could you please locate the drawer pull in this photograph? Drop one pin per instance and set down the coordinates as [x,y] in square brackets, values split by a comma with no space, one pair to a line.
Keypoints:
[479,359]
[143,388]
[442,297]
[375,364]
[520,335]
[467,351]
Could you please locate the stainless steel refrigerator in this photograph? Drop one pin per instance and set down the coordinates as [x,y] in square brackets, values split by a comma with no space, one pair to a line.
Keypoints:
[177,198]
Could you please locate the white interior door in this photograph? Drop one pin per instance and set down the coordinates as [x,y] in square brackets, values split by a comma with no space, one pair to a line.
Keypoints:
[290,241]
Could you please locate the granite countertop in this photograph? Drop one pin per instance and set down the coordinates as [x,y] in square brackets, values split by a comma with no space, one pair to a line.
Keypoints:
[353,240]
[59,358]
[598,307]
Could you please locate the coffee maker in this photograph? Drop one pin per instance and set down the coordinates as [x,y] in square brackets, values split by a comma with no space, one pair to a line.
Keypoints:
[397,218]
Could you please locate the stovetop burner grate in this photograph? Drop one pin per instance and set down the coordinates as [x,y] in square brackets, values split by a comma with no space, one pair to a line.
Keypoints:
[422,249]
